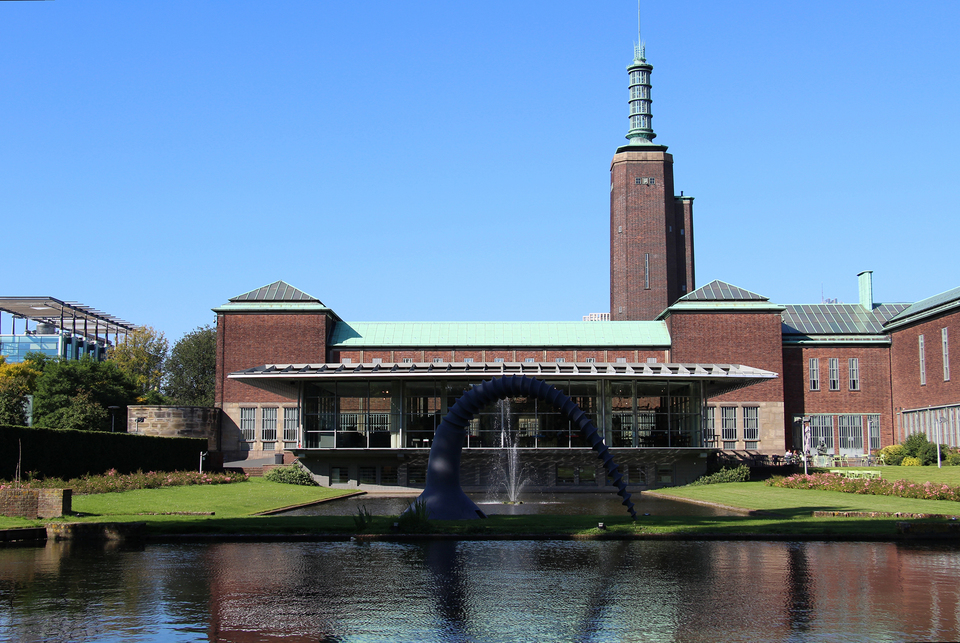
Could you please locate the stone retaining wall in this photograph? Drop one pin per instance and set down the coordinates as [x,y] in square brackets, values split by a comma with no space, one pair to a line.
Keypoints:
[175,421]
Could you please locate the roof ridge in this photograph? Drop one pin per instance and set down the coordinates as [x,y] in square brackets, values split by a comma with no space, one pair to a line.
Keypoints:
[277,291]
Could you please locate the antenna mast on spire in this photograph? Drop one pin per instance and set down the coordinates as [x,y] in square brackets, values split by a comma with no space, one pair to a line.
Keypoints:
[641,114]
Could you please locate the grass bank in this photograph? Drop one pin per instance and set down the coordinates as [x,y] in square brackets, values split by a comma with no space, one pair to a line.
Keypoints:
[788,513]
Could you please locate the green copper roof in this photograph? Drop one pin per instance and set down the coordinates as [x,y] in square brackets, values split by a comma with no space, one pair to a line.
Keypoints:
[927,308]
[494,334]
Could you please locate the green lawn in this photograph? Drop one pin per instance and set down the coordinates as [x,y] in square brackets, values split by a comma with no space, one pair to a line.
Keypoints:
[790,512]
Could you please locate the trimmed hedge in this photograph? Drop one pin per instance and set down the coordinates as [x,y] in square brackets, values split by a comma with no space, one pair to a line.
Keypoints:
[64,453]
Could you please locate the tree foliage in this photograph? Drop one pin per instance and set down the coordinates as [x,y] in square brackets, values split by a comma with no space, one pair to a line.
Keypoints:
[191,368]
[141,356]
[77,394]
[16,382]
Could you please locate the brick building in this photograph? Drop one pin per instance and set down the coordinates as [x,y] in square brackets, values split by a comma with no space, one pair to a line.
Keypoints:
[671,375]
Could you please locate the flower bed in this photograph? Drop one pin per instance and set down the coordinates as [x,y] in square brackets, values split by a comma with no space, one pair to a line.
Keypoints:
[868,486]
[112,481]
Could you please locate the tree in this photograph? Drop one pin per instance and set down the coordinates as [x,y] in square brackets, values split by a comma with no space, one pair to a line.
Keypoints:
[16,382]
[77,394]
[191,369]
[141,356]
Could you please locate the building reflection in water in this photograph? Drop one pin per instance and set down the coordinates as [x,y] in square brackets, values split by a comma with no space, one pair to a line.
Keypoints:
[481,590]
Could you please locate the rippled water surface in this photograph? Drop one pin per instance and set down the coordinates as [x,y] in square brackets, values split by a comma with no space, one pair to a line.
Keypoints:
[481,591]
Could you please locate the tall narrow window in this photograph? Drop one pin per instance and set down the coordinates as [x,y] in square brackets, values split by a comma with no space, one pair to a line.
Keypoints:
[853,369]
[923,363]
[946,354]
[834,374]
[709,425]
[728,427]
[821,432]
[814,374]
[291,418]
[248,424]
[873,424]
[751,427]
[268,424]
[851,433]
[646,271]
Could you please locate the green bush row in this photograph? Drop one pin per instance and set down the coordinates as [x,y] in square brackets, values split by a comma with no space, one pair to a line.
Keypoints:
[64,453]
[739,474]
[917,450]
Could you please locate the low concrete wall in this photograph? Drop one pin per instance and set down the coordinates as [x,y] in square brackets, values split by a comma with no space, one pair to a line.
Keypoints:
[35,503]
[95,530]
[175,421]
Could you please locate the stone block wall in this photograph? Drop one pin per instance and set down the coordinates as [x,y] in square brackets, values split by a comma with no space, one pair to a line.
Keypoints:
[175,421]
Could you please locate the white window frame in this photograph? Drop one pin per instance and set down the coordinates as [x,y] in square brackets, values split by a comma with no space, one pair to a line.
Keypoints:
[853,371]
[814,373]
[821,426]
[945,342]
[268,424]
[291,424]
[851,432]
[751,423]
[710,425]
[923,362]
[833,366]
[248,423]
[728,423]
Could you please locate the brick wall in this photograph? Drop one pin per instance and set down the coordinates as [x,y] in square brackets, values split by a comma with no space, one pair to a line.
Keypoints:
[35,503]
[642,224]
[908,392]
[873,395]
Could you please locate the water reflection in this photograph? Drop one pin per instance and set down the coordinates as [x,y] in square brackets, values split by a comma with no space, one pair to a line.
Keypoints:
[481,591]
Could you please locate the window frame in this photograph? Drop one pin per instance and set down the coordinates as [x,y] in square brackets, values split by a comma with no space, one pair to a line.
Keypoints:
[814,372]
[833,373]
[853,373]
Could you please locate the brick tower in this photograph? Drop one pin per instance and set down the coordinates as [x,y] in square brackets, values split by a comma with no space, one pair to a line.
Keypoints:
[651,230]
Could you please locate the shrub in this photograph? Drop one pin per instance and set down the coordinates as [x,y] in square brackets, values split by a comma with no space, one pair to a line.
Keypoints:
[868,486]
[294,474]
[928,453]
[739,474]
[415,519]
[953,459]
[893,454]
[911,461]
[112,481]
[363,518]
[914,443]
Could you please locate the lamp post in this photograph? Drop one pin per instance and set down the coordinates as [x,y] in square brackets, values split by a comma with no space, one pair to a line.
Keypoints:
[806,441]
[940,422]
[113,416]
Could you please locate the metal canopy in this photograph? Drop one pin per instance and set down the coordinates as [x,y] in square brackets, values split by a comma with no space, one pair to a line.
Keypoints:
[66,315]
[284,379]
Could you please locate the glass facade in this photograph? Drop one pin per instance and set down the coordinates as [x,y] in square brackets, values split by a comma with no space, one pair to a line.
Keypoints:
[393,414]
[15,347]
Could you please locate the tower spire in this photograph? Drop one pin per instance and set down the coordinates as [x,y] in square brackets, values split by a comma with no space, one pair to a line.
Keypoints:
[641,115]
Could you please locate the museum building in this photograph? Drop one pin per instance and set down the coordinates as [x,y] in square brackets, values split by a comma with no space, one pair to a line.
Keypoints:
[671,375]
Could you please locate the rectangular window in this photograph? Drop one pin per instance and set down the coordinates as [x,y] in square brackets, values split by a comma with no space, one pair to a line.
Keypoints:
[710,425]
[923,363]
[621,360]
[821,432]
[728,426]
[377,360]
[468,360]
[560,360]
[437,360]
[646,271]
[291,418]
[751,425]
[268,424]
[834,366]
[873,423]
[814,374]
[851,433]
[528,359]
[497,359]
[248,424]
[946,354]
[366,474]
[853,368]
[591,360]
[406,360]
[346,360]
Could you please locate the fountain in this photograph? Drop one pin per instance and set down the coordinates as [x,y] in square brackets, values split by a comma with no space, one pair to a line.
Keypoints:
[509,476]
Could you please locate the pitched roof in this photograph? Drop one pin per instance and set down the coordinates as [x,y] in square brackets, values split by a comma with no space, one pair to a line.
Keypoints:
[837,319]
[277,291]
[927,307]
[491,334]
[718,290]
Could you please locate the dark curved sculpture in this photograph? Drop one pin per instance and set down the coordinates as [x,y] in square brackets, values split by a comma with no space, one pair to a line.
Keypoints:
[443,495]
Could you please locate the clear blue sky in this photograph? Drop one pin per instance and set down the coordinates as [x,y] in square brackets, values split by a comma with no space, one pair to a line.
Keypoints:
[450,160]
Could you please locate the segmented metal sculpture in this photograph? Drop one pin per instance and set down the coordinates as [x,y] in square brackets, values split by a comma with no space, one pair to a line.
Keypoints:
[443,495]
